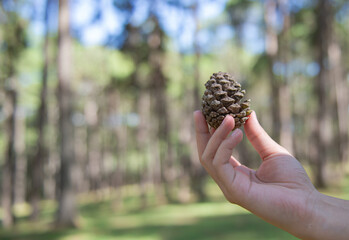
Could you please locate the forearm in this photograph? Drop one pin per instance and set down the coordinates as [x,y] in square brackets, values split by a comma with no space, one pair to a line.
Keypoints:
[330,218]
[322,218]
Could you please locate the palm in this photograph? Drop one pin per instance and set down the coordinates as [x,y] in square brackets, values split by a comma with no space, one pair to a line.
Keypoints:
[283,170]
[280,184]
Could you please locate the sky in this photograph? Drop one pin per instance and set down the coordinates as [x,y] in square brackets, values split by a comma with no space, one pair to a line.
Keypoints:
[179,25]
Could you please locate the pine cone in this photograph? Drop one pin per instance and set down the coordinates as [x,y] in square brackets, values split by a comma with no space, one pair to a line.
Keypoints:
[223,96]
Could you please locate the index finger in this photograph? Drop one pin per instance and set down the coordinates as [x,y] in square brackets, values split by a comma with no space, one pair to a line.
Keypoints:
[202,132]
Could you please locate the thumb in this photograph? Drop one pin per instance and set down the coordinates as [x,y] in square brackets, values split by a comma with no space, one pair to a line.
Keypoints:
[260,140]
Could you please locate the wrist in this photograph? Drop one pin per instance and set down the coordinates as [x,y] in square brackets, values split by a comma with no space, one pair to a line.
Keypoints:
[304,225]
[314,221]
[329,217]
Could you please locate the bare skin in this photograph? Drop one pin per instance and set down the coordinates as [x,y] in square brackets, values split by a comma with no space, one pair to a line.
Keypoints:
[280,191]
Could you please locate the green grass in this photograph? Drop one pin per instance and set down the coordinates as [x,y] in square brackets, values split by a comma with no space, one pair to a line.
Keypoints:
[104,220]
[212,220]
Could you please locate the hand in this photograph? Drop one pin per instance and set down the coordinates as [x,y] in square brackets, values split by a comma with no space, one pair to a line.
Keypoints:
[279,192]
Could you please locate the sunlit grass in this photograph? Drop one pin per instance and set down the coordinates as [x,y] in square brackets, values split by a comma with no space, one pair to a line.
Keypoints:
[102,217]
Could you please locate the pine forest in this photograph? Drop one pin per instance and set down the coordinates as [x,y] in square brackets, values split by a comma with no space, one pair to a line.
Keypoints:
[97,139]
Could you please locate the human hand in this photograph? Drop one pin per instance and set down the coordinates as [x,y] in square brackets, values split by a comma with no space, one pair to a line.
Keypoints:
[279,191]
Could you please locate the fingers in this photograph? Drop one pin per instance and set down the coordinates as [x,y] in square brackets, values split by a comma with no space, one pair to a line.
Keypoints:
[224,166]
[202,132]
[223,154]
[260,140]
[217,138]
[215,148]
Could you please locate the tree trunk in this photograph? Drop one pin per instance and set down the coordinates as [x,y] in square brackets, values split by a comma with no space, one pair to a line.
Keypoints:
[21,160]
[121,136]
[196,89]
[14,39]
[197,173]
[93,144]
[321,89]
[66,215]
[41,154]
[160,103]
[341,92]
[8,173]
[119,143]
[285,103]
[52,164]
[143,133]
[272,47]
[82,184]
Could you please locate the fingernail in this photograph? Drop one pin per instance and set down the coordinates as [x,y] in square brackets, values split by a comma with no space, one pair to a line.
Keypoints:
[195,112]
[254,113]
[226,119]
[235,133]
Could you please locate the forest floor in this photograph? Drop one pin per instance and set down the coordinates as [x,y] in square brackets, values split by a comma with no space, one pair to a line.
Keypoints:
[104,220]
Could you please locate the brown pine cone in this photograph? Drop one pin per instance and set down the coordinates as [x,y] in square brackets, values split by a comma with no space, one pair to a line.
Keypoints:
[223,96]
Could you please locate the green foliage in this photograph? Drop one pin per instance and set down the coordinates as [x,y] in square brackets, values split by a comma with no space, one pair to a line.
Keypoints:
[99,65]
[29,71]
[13,38]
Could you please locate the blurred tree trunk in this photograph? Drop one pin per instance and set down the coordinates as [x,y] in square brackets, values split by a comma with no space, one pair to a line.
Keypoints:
[143,109]
[103,146]
[93,144]
[121,136]
[14,42]
[41,154]
[322,87]
[119,142]
[277,50]
[21,159]
[139,52]
[341,92]
[52,165]
[160,104]
[82,184]
[197,173]
[271,41]
[67,206]
[8,171]
[196,90]
[285,103]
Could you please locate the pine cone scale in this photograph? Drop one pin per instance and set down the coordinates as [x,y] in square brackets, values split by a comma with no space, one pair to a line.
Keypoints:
[224,96]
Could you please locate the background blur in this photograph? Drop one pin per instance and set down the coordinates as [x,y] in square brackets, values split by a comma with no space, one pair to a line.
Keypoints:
[96,101]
